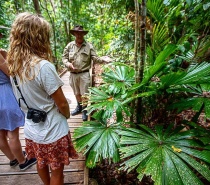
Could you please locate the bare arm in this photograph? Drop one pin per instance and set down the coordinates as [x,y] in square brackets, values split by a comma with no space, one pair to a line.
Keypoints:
[61,102]
[98,59]
[3,65]
[3,53]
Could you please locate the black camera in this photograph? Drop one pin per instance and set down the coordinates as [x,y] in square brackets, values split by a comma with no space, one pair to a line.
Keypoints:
[36,115]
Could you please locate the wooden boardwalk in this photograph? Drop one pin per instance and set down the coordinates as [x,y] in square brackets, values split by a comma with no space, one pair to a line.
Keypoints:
[74,174]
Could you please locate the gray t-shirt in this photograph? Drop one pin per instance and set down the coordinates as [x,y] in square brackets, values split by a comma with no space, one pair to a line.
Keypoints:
[37,95]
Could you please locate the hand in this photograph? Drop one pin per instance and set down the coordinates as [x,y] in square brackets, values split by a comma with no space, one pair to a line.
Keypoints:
[71,66]
[106,59]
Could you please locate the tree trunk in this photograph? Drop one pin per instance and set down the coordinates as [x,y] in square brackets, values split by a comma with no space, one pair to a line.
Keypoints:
[52,4]
[135,60]
[142,55]
[136,44]
[66,26]
[22,5]
[142,40]
[37,7]
[17,6]
[52,21]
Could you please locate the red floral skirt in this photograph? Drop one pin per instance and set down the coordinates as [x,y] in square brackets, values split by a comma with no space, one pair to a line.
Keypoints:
[53,154]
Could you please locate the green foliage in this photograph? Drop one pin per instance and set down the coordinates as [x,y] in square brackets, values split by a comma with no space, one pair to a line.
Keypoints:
[106,22]
[119,76]
[176,78]
[156,9]
[108,96]
[98,140]
[5,24]
[166,155]
[160,37]
[158,66]
[166,151]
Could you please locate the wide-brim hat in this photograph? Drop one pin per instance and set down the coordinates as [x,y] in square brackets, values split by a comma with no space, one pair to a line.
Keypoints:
[78,28]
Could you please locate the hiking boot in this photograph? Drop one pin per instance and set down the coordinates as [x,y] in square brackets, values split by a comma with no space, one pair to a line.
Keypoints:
[28,163]
[15,162]
[77,110]
[84,115]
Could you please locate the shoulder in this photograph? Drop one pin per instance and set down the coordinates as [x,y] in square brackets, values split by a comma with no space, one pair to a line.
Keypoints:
[88,44]
[49,77]
[70,44]
[46,66]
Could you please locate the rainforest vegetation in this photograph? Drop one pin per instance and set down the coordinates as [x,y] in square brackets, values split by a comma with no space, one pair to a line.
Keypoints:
[150,115]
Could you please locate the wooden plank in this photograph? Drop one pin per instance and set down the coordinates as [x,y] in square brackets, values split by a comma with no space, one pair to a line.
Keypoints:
[76,165]
[75,178]
[86,176]
[4,160]
[34,172]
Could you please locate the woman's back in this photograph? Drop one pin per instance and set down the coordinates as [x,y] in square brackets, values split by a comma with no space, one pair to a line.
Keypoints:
[37,94]
[10,114]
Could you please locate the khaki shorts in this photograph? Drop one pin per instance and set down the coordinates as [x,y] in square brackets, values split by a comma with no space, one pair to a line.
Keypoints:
[79,82]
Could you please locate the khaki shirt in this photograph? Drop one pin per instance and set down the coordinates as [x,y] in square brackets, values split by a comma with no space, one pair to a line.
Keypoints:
[80,57]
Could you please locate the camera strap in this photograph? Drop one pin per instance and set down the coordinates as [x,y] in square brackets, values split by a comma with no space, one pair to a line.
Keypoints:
[16,84]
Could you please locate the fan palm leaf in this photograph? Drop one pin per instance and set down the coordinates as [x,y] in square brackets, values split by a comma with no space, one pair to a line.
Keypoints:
[196,74]
[103,99]
[195,103]
[167,155]
[97,141]
[108,97]
[186,82]
[118,77]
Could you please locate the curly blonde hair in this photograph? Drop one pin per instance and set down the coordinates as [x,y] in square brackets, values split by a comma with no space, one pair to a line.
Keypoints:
[29,44]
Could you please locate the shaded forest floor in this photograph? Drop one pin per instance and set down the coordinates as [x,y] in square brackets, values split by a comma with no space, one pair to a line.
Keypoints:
[109,174]
[106,174]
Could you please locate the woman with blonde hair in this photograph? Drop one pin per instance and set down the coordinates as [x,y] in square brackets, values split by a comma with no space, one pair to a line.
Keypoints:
[41,97]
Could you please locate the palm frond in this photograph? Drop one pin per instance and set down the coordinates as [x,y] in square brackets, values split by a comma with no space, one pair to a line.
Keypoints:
[97,141]
[193,103]
[156,9]
[159,64]
[196,74]
[160,37]
[120,75]
[167,156]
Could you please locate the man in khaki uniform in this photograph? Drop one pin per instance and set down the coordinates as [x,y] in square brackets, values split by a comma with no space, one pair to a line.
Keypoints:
[77,58]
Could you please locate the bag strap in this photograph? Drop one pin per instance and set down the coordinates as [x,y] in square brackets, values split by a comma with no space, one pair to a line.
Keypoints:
[16,84]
